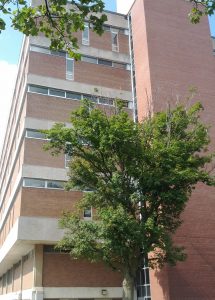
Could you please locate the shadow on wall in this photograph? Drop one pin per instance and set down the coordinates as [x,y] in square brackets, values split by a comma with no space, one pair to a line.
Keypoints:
[189,280]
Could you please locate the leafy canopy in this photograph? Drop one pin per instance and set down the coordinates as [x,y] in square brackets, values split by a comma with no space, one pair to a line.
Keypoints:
[140,176]
[201,8]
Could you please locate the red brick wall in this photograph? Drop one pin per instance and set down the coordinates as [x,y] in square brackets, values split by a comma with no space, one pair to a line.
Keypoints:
[35,155]
[59,270]
[47,203]
[50,108]
[180,55]
[54,66]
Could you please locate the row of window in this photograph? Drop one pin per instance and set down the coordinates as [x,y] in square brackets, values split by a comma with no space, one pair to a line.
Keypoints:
[45,184]
[73,95]
[42,183]
[89,59]
[7,278]
[105,62]
[35,134]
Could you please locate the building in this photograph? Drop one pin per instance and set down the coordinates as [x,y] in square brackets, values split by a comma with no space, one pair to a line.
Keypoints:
[145,58]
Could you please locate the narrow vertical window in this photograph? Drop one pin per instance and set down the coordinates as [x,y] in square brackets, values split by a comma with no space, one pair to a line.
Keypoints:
[86,35]
[115,42]
[67,160]
[69,68]
[88,213]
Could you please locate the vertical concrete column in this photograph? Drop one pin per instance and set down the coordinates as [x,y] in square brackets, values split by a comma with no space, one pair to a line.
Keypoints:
[38,273]
[21,279]
[12,288]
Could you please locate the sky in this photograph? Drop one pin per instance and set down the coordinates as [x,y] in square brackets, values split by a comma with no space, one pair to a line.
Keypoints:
[10,45]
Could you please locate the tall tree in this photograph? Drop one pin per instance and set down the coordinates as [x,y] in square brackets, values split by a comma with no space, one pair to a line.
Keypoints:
[140,177]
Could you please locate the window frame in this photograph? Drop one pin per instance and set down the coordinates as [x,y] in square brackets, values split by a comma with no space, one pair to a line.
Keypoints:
[115,46]
[86,41]
[69,73]
[88,218]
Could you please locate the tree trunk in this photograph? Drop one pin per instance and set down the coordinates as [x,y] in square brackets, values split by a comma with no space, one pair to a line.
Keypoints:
[128,287]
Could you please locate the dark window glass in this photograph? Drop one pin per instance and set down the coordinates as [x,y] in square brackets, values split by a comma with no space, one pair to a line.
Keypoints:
[104,62]
[30,182]
[91,98]
[35,134]
[58,53]
[89,59]
[105,101]
[87,213]
[55,92]
[74,96]
[38,89]
[55,184]
[106,27]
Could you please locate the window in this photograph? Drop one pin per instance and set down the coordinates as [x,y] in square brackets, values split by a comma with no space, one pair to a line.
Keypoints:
[9,276]
[44,50]
[38,89]
[105,62]
[119,65]
[30,182]
[67,160]
[86,35]
[42,183]
[88,213]
[55,185]
[105,101]
[89,59]
[57,93]
[35,134]
[74,96]
[69,68]
[143,282]
[91,98]
[115,44]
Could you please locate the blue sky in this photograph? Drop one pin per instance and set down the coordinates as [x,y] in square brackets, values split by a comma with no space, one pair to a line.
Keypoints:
[212,25]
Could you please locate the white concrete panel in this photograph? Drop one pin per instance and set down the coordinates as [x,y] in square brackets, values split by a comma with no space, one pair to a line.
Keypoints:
[39,230]
[68,293]
[40,124]
[26,232]
[82,292]
[78,87]
[42,172]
